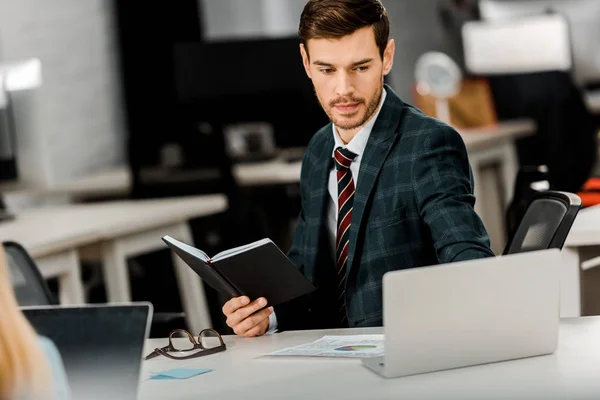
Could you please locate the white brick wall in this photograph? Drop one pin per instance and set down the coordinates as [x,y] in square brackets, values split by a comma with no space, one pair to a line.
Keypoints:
[79,116]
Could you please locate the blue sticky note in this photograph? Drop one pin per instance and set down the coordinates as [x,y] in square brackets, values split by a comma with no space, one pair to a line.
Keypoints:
[180,373]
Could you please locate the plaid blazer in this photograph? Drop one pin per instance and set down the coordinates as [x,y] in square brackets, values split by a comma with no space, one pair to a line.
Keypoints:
[413,207]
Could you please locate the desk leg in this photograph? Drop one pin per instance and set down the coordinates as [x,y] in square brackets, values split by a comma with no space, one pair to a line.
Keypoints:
[116,275]
[477,186]
[114,263]
[71,285]
[570,283]
[66,267]
[191,287]
[509,168]
[488,204]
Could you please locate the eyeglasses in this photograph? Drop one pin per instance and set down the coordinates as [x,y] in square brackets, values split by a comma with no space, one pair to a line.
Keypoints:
[208,342]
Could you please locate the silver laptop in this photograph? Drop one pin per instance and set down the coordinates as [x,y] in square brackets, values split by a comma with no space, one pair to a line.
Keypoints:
[101,345]
[469,313]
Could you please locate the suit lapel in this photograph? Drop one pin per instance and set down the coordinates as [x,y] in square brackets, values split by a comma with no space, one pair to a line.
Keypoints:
[319,194]
[378,146]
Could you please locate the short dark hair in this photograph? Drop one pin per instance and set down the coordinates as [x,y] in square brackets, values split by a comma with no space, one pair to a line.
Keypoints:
[334,19]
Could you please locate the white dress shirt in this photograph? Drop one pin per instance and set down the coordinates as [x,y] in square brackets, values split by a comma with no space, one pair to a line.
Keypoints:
[357,146]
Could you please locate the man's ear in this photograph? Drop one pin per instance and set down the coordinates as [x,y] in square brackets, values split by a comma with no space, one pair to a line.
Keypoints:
[388,56]
[305,60]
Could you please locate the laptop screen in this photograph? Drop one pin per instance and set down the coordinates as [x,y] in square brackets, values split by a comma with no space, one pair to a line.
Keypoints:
[101,346]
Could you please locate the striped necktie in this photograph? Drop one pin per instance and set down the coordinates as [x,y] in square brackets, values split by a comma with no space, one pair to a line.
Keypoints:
[343,159]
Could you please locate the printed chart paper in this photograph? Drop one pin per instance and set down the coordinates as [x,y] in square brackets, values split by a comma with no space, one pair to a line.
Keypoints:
[355,346]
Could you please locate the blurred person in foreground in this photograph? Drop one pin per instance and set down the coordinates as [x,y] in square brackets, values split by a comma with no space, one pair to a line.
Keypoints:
[30,366]
[383,186]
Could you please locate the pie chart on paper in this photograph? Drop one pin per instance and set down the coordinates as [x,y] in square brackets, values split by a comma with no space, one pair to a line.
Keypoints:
[356,348]
[348,346]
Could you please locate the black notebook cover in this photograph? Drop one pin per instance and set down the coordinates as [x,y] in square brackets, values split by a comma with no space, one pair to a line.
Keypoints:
[215,280]
[263,271]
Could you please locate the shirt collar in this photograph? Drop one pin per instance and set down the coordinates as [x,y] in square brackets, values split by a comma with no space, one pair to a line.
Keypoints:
[359,141]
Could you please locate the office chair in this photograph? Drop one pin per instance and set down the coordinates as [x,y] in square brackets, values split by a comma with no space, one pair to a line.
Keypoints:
[27,281]
[31,288]
[546,223]
[529,181]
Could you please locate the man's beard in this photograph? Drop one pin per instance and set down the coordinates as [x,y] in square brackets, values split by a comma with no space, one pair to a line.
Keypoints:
[344,123]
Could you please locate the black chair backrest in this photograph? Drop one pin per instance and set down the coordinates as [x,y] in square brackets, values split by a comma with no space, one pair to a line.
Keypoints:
[527,176]
[27,281]
[546,222]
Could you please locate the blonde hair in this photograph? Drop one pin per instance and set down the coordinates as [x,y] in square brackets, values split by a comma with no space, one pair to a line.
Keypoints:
[24,369]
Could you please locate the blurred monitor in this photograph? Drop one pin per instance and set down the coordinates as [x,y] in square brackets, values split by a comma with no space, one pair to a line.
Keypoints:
[533,44]
[249,81]
[584,25]
[101,346]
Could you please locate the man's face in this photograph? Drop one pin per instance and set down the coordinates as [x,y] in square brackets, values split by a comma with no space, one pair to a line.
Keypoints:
[347,75]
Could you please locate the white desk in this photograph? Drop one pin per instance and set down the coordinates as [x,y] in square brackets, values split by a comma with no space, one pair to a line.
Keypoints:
[491,151]
[571,373]
[581,257]
[112,232]
[117,181]
[273,172]
[493,159]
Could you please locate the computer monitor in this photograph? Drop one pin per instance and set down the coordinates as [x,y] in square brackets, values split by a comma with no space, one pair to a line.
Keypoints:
[584,24]
[250,80]
[536,44]
[101,345]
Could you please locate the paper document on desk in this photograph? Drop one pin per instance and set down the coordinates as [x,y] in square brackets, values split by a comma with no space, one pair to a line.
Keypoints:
[354,346]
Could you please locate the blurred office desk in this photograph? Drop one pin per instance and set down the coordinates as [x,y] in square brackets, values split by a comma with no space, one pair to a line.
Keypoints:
[492,155]
[111,232]
[274,172]
[483,144]
[493,158]
[105,185]
[580,281]
[239,372]
[116,182]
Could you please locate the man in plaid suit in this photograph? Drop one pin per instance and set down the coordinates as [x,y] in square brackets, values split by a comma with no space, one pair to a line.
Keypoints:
[383,186]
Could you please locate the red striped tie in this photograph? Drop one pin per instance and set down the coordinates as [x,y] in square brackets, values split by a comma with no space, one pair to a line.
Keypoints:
[343,159]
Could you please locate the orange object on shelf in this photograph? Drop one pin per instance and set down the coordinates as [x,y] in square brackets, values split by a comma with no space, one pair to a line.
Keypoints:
[592,184]
[590,195]
[472,107]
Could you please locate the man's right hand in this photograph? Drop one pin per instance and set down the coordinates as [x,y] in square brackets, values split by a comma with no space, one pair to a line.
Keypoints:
[247,318]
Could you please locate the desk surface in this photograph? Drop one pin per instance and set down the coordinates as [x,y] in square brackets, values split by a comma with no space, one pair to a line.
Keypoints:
[571,373]
[117,181]
[51,229]
[586,228]
[491,136]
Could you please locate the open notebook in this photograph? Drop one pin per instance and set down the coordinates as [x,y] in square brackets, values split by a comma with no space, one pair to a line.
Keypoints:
[258,269]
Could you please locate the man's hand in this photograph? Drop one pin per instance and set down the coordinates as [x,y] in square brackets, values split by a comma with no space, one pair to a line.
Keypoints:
[245,318]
